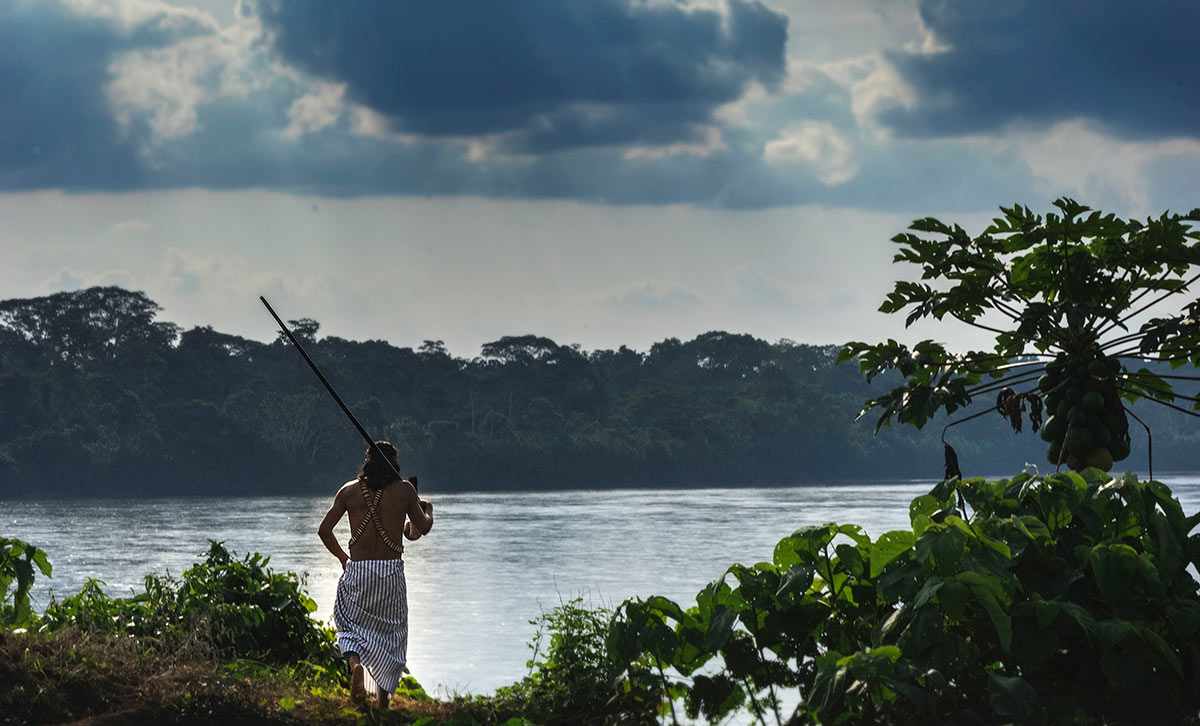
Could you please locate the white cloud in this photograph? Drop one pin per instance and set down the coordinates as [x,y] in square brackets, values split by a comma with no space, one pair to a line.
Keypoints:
[167,86]
[875,86]
[1077,158]
[164,85]
[141,14]
[818,145]
[316,110]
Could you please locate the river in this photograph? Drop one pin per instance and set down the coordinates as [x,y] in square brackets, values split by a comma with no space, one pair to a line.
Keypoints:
[493,561]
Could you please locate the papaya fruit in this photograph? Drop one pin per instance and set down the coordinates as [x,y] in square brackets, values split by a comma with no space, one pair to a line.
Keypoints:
[1063,410]
[1116,422]
[1093,402]
[1100,458]
[1120,447]
[1078,441]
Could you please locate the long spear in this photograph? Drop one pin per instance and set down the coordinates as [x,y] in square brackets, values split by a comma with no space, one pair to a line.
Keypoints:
[324,381]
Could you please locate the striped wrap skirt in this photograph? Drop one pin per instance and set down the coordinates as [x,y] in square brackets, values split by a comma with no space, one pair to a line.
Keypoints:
[371,617]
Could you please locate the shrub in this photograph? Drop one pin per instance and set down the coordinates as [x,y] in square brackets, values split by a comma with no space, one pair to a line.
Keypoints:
[1046,600]
[240,607]
[572,677]
[17,562]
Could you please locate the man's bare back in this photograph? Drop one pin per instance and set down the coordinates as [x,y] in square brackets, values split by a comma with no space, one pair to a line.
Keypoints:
[399,511]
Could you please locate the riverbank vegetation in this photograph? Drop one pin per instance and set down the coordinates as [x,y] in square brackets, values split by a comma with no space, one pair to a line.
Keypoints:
[1063,598]
[231,640]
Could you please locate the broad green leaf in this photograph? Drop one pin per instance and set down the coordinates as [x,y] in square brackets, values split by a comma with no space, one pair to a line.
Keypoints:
[856,533]
[42,561]
[1114,566]
[665,606]
[798,579]
[803,546]
[926,593]
[1164,652]
[990,594]
[921,510]
[888,547]
[719,628]
[1012,697]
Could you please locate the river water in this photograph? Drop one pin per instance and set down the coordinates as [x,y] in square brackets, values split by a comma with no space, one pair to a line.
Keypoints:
[493,561]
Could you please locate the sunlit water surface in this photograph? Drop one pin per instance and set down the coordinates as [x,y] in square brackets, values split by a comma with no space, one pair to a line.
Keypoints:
[492,562]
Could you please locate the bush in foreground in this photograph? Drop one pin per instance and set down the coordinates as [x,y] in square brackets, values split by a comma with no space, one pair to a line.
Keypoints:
[238,607]
[573,678]
[230,640]
[1044,600]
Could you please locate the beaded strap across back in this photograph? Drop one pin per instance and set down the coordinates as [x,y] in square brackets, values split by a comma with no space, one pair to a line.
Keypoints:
[372,504]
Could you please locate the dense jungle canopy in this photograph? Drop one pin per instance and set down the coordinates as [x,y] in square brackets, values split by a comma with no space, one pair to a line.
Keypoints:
[100,397]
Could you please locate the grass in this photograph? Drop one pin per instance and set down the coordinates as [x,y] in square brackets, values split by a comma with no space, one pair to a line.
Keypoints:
[74,676]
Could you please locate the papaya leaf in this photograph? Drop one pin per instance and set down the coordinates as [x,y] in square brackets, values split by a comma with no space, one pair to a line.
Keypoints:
[1012,697]
[888,547]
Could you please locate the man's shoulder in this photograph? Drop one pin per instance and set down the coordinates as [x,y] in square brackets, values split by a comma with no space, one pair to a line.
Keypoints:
[406,488]
[347,487]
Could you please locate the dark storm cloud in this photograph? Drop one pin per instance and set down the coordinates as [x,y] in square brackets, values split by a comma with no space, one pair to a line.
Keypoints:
[56,127]
[1130,67]
[603,101]
[554,73]
[237,145]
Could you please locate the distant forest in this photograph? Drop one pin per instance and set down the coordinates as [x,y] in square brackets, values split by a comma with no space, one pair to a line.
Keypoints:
[100,397]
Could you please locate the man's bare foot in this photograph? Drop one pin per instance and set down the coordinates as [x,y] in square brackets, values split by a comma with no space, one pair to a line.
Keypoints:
[358,687]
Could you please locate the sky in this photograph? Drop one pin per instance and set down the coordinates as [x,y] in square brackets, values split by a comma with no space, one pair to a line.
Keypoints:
[602,172]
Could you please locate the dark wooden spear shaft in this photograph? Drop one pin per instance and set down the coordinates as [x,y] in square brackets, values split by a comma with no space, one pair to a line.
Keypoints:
[325,382]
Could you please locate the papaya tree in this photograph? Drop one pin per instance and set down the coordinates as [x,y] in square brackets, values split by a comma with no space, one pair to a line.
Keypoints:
[1059,293]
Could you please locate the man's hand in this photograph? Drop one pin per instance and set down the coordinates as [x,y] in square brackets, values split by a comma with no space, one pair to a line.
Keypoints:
[343,561]
[420,513]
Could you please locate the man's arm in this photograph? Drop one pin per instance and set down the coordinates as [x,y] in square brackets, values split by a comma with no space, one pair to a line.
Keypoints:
[325,531]
[410,532]
[420,515]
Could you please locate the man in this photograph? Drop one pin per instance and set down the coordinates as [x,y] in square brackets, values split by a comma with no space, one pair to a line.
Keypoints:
[371,611]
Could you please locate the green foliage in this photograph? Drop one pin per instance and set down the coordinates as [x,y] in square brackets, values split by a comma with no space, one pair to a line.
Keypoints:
[1062,287]
[239,607]
[17,562]
[574,679]
[1048,600]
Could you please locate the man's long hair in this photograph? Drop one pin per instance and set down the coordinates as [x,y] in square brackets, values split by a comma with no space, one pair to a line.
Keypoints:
[375,472]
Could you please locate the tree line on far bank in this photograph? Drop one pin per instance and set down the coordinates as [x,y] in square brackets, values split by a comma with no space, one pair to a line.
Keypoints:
[99,397]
